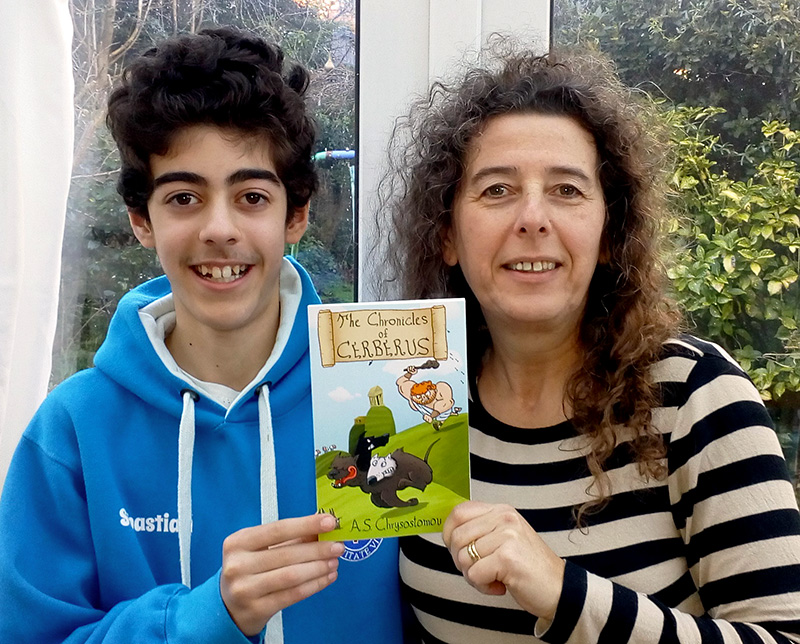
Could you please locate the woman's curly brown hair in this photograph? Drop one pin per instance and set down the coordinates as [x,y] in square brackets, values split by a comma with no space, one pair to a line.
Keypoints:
[627,316]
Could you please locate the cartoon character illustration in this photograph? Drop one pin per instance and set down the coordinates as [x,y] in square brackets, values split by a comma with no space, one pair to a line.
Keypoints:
[434,401]
[409,471]
[379,468]
[364,447]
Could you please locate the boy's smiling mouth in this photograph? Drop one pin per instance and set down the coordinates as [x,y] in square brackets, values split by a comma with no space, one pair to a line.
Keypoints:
[222,274]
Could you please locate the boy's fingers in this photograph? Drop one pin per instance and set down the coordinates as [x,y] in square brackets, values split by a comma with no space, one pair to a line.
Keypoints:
[282,531]
[298,553]
[253,599]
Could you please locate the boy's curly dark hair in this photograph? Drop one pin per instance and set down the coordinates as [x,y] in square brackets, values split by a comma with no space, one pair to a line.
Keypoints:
[627,316]
[222,77]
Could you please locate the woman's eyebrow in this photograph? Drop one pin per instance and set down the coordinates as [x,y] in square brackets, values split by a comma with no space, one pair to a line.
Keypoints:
[570,171]
[492,170]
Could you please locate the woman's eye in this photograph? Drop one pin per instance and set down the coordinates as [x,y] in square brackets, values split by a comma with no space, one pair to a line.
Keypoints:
[496,191]
[568,191]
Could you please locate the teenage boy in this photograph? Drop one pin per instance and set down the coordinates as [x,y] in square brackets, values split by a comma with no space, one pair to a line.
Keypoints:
[167,495]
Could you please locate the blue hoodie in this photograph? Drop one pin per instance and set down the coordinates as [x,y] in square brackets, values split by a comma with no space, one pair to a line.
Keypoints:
[99,523]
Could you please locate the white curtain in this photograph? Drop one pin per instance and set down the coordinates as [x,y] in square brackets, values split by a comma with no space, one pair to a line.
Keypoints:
[36,138]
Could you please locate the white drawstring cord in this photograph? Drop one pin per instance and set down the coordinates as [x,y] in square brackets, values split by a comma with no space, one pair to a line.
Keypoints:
[268,487]
[185,456]
[269,491]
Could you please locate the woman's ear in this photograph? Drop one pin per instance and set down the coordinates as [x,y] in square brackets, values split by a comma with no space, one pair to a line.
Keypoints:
[604,257]
[142,228]
[449,254]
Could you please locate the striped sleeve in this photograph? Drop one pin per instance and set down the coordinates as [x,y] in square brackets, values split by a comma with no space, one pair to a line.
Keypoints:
[734,506]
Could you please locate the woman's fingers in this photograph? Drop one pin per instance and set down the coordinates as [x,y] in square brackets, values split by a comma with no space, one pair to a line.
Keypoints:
[497,550]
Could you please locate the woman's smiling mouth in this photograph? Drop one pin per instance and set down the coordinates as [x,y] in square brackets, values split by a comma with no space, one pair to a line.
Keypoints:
[532,267]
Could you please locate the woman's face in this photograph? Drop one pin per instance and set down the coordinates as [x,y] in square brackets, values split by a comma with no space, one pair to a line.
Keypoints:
[528,221]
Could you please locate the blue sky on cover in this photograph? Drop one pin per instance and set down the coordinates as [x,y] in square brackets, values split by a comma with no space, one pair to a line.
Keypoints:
[340,393]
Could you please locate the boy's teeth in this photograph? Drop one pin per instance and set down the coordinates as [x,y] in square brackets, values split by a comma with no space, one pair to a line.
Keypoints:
[534,267]
[226,273]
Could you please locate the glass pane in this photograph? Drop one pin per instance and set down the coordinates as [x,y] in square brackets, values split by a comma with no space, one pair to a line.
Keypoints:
[728,73]
[101,258]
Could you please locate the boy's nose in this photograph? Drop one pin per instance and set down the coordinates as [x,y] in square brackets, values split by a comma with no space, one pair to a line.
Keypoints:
[220,226]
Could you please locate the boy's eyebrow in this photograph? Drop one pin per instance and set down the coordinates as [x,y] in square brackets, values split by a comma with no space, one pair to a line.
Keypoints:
[237,177]
[253,173]
[183,177]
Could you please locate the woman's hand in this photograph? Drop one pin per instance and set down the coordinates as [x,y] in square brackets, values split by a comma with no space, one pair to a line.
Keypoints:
[269,567]
[506,554]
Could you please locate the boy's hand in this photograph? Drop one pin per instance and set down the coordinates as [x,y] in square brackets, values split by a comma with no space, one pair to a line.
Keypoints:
[269,567]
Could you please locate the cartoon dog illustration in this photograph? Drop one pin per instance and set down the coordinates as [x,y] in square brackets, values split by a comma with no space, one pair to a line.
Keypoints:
[409,471]
[379,468]
[364,447]
[434,401]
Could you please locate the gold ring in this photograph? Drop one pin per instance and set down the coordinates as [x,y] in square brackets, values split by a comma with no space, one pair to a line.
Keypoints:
[472,551]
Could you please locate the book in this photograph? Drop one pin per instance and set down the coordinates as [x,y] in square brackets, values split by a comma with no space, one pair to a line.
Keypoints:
[390,408]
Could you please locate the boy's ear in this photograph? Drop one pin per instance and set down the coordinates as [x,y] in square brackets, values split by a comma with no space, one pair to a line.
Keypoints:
[297,224]
[142,228]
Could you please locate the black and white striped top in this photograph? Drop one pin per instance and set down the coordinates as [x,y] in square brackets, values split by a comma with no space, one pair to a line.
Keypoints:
[711,554]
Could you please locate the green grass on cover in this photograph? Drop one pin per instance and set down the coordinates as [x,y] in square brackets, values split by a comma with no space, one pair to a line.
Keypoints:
[449,460]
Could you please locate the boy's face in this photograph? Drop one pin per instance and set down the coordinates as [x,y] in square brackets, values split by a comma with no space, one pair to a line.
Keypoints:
[218,224]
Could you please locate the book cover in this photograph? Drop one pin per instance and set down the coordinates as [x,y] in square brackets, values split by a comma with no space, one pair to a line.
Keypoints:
[391,425]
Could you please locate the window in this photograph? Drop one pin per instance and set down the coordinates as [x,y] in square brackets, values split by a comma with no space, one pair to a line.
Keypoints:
[101,258]
[728,74]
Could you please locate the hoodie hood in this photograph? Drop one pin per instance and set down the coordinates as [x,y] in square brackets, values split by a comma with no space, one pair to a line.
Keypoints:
[129,358]
[135,357]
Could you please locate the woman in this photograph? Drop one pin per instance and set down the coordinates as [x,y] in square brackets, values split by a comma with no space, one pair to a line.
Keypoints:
[626,482]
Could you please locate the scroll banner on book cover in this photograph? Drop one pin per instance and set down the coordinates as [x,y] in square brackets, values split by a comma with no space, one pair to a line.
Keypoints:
[381,334]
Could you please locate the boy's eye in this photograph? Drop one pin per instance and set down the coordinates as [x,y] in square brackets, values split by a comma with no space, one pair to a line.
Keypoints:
[254,198]
[183,199]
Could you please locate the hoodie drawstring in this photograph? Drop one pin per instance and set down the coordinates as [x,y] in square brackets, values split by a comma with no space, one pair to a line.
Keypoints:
[269,491]
[268,487]
[185,456]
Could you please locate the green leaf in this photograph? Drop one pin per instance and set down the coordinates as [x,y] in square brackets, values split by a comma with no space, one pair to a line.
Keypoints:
[729,263]
[774,287]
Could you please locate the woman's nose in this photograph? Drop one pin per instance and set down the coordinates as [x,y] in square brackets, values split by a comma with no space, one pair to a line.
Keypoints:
[532,215]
